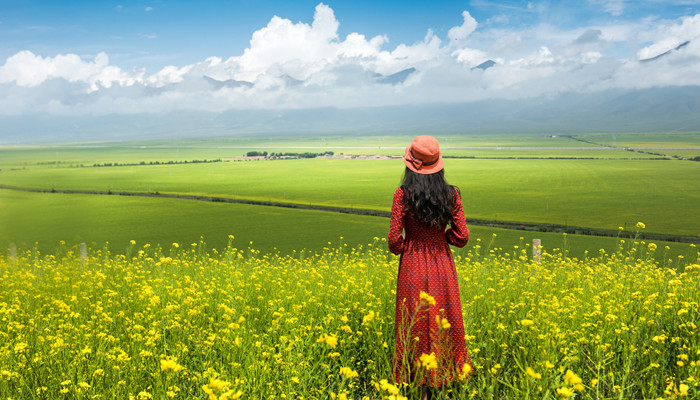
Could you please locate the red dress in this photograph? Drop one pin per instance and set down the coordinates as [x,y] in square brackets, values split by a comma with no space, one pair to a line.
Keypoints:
[426,265]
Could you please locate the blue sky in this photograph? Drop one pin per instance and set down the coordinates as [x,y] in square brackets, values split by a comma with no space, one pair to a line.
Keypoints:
[155,55]
[154,34]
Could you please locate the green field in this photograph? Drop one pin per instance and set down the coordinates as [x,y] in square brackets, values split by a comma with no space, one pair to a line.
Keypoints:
[604,189]
[637,140]
[45,219]
[663,194]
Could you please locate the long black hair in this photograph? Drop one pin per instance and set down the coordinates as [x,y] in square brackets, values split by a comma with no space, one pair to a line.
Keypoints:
[431,199]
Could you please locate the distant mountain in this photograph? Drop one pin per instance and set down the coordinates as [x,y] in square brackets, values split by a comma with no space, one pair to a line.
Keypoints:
[648,110]
[227,83]
[485,65]
[396,78]
[680,46]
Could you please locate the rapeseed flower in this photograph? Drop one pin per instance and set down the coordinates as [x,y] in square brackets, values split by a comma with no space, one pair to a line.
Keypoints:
[428,361]
[565,392]
[369,317]
[170,364]
[466,371]
[428,298]
[330,340]
[348,373]
[531,372]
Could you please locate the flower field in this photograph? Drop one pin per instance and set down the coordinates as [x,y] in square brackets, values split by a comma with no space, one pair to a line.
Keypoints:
[187,322]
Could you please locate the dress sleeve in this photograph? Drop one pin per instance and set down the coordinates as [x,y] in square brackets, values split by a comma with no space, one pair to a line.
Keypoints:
[397,223]
[458,234]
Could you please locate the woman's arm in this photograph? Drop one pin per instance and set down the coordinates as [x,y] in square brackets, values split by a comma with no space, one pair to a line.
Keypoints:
[458,234]
[397,223]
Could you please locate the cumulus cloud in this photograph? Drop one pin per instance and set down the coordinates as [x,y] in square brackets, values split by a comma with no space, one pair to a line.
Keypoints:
[669,36]
[461,32]
[307,65]
[27,69]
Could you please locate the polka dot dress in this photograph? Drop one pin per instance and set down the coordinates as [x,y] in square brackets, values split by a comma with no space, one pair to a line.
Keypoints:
[426,265]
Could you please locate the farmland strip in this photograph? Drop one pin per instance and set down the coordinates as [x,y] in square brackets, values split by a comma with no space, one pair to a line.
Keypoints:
[523,226]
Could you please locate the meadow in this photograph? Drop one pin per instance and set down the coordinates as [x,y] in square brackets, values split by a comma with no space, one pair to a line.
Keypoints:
[534,183]
[663,193]
[43,220]
[183,321]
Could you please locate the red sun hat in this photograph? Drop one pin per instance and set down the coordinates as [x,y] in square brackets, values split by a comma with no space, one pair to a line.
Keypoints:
[423,155]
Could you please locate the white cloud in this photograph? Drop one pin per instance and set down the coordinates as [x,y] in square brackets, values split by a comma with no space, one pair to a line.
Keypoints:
[470,57]
[27,69]
[302,65]
[461,32]
[669,36]
[297,49]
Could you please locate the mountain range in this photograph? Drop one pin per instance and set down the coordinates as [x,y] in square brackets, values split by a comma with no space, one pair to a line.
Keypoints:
[645,110]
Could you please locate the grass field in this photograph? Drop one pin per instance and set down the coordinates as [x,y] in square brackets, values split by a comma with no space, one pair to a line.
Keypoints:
[666,139]
[181,322]
[49,218]
[62,156]
[664,194]
[605,192]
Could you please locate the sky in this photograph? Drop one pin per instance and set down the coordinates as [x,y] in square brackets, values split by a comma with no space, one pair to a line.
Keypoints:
[74,58]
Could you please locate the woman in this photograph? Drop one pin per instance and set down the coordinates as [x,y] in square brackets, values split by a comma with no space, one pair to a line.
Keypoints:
[429,330]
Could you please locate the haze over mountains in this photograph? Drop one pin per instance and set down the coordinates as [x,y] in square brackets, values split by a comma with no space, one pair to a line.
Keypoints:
[643,110]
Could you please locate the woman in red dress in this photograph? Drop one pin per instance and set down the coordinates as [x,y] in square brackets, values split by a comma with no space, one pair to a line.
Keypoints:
[429,330]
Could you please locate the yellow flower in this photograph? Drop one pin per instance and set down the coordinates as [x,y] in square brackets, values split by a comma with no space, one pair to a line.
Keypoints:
[19,347]
[442,323]
[640,225]
[218,384]
[367,318]
[526,322]
[231,395]
[570,378]
[565,392]
[170,364]
[143,395]
[532,373]
[348,373]
[385,385]
[548,364]
[428,361]
[466,370]
[428,298]
[328,339]
[683,389]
